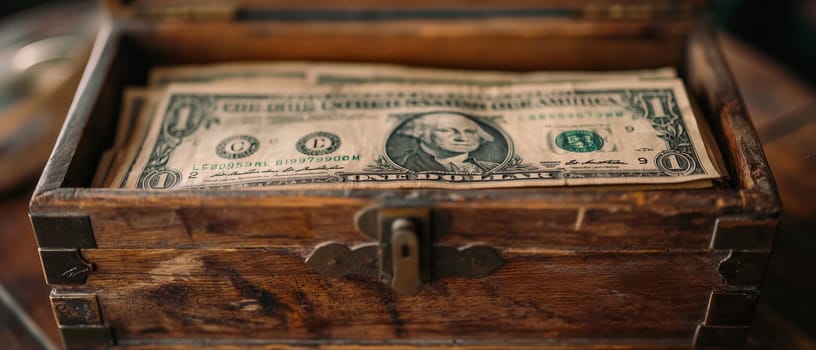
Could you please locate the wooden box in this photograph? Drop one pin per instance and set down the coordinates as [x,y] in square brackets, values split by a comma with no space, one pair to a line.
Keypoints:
[581,268]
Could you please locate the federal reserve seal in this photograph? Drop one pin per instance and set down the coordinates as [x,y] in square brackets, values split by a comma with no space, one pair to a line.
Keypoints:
[238,146]
[580,141]
[318,143]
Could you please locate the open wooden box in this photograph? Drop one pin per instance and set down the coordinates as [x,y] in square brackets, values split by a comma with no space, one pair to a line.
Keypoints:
[591,267]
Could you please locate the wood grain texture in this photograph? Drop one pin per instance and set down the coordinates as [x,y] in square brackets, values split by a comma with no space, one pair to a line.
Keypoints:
[258,226]
[546,218]
[88,92]
[272,295]
[543,43]
[710,77]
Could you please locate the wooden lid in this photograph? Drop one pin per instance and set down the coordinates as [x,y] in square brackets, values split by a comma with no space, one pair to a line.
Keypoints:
[414,9]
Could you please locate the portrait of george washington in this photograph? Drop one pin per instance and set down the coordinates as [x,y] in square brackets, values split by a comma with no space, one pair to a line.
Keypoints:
[447,142]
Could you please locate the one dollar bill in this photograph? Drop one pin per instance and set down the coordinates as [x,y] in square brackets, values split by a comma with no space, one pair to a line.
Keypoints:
[420,136]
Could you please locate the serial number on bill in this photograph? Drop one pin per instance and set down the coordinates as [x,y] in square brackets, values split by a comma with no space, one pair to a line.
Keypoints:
[262,164]
[318,159]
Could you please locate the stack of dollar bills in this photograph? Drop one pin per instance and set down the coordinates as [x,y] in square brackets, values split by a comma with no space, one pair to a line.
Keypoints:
[281,125]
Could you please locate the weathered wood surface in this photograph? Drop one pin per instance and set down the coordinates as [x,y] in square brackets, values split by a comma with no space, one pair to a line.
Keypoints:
[96,93]
[271,294]
[258,226]
[546,43]
[712,82]
[547,219]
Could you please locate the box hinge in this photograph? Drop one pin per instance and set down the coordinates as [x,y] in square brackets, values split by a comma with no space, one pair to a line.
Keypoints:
[720,336]
[403,255]
[75,309]
[65,266]
[743,233]
[80,320]
[748,241]
[60,238]
[63,231]
[726,308]
[743,268]
[727,319]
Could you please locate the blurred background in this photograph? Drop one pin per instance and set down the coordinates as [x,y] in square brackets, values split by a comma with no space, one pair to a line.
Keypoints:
[769,45]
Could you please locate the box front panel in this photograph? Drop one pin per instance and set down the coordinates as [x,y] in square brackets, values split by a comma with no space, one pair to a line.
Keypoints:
[271,295]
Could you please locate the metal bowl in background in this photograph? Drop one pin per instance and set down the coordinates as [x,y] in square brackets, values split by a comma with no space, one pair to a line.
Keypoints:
[42,54]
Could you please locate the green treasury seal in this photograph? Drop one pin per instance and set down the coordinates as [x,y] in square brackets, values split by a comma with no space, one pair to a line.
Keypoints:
[581,141]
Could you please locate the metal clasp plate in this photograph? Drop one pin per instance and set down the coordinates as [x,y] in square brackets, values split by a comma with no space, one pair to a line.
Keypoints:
[404,258]
[404,255]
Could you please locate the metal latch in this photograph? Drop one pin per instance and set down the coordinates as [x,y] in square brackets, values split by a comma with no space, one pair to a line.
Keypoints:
[404,255]
[404,259]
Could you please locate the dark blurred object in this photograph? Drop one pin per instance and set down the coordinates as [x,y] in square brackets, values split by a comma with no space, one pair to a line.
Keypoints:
[784,29]
[42,53]
[9,7]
